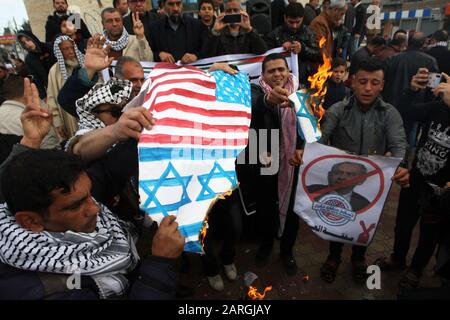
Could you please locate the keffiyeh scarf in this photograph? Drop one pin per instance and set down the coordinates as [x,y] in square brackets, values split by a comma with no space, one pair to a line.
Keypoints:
[438,44]
[59,55]
[120,44]
[288,125]
[115,91]
[105,255]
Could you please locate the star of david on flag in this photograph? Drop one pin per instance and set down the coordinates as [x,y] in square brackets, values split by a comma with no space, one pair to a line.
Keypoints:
[188,158]
[308,127]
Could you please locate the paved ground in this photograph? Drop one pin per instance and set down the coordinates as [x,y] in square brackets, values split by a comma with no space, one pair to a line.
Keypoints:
[310,253]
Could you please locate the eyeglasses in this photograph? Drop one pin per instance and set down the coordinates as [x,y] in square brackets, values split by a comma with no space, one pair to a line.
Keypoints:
[114,111]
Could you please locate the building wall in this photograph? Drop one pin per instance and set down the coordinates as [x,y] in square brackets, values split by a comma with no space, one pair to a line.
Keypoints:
[90,10]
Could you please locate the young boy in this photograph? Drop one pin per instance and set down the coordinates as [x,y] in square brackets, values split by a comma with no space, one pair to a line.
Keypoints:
[337,91]
[206,13]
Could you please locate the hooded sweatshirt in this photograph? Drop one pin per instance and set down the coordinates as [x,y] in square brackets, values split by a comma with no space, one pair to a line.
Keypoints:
[38,61]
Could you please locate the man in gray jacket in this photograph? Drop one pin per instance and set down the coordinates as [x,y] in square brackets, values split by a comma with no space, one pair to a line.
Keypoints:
[363,124]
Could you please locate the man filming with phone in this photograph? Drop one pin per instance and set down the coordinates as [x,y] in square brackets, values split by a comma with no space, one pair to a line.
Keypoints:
[233,34]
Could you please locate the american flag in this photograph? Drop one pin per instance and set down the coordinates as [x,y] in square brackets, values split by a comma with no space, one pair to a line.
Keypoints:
[187,160]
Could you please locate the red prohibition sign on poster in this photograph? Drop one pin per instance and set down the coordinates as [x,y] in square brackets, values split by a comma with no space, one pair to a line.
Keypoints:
[376,171]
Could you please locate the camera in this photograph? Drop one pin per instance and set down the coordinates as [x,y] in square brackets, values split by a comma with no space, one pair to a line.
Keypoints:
[232,18]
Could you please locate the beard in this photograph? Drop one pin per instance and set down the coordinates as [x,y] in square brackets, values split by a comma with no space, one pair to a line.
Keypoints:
[175,19]
[72,63]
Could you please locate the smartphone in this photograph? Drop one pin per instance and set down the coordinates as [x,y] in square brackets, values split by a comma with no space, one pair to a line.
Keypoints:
[232,18]
[434,79]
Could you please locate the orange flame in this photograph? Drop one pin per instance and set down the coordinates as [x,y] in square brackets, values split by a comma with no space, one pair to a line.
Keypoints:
[318,83]
[203,231]
[205,227]
[255,295]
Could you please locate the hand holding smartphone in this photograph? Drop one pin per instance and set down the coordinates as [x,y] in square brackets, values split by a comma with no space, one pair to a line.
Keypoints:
[232,18]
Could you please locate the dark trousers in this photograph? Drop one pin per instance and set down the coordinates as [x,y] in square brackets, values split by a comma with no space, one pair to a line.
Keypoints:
[225,223]
[291,224]
[358,252]
[412,207]
[267,209]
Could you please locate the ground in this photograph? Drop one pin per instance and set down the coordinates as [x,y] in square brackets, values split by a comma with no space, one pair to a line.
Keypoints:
[310,252]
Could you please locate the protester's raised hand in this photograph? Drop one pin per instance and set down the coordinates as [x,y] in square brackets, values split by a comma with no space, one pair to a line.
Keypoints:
[138,26]
[166,57]
[420,79]
[188,58]
[36,121]
[401,177]
[245,22]
[96,58]
[168,241]
[131,123]
[219,24]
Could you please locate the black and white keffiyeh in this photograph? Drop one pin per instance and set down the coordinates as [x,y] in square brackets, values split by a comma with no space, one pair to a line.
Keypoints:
[120,44]
[105,255]
[115,91]
[438,44]
[59,55]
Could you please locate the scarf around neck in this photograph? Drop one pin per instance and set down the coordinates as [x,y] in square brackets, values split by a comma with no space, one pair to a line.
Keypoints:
[106,255]
[288,127]
[119,44]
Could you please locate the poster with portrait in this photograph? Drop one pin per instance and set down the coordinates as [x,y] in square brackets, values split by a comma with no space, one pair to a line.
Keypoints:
[341,196]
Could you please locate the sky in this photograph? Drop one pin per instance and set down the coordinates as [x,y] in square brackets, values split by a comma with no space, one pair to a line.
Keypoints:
[10,9]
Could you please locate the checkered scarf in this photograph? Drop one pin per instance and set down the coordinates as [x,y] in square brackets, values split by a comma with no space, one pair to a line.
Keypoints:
[120,44]
[59,56]
[114,91]
[438,44]
[106,255]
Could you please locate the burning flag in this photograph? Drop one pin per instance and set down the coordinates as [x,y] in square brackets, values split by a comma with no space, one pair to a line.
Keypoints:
[187,160]
[308,103]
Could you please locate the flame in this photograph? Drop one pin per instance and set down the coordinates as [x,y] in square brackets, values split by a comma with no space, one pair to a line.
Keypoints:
[224,195]
[318,83]
[203,232]
[255,295]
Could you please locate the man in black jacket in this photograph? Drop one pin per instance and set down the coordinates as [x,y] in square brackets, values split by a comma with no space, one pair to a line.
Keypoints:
[296,37]
[53,24]
[311,11]
[176,36]
[39,59]
[146,17]
[235,38]
[439,50]
[429,182]
[93,253]
[400,69]
[359,28]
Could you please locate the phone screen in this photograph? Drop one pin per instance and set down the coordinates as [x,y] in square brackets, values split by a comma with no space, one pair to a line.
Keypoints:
[434,79]
[232,18]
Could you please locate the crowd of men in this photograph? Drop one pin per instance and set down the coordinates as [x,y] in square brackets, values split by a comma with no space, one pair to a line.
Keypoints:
[70,204]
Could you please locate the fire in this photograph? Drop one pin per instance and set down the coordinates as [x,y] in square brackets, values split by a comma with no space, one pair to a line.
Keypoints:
[203,232]
[205,223]
[318,83]
[255,295]
[224,195]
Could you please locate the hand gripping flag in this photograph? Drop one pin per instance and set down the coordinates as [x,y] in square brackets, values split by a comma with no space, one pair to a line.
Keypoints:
[188,158]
